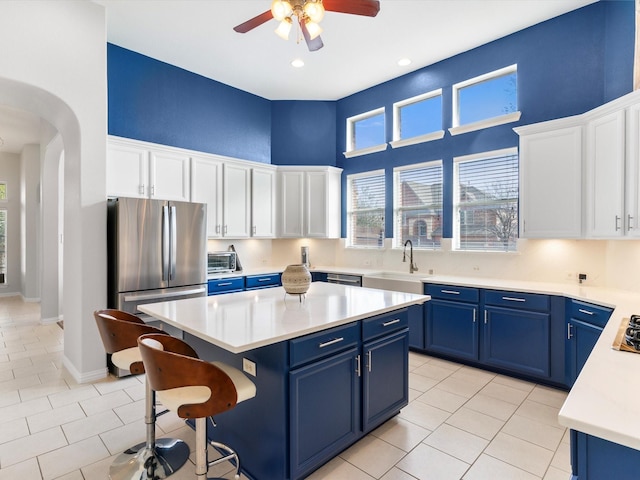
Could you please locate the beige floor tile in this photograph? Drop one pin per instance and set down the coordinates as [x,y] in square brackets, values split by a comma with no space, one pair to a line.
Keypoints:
[18,383]
[57,416]
[401,433]
[9,398]
[373,456]
[514,451]
[111,384]
[489,468]
[73,395]
[539,412]
[72,457]
[413,394]
[121,438]
[36,444]
[460,386]
[169,422]
[131,412]
[447,401]
[339,469]
[13,429]
[24,409]
[424,415]
[27,470]
[554,473]
[75,475]
[6,375]
[90,426]
[562,458]
[98,470]
[474,375]
[102,403]
[457,443]
[397,474]
[421,383]
[427,463]
[415,360]
[539,433]
[505,393]
[43,389]
[453,366]
[491,406]
[34,369]
[476,423]
[431,370]
[548,396]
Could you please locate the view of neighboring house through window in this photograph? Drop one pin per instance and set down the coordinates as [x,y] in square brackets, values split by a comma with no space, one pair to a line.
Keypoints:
[486,201]
[365,132]
[417,204]
[3,234]
[365,209]
[418,118]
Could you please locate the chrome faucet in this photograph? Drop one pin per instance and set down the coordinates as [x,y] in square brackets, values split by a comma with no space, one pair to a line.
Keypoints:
[412,266]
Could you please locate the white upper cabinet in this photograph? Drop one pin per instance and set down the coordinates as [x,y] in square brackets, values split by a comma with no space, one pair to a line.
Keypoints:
[632,173]
[263,203]
[236,203]
[309,202]
[135,169]
[206,187]
[551,180]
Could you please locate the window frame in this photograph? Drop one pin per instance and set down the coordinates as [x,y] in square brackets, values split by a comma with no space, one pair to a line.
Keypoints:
[350,129]
[4,199]
[398,239]
[456,128]
[349,211]
[397,127]
[455,243]
[4,282]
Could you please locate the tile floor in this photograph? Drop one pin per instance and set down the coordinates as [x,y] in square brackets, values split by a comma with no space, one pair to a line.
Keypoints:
[461,422]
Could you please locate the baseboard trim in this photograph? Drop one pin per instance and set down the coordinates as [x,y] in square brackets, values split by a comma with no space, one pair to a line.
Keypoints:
[87,377]
[48,321]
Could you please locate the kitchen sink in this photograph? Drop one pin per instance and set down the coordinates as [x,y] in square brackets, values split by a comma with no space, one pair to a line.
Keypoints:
[396,281]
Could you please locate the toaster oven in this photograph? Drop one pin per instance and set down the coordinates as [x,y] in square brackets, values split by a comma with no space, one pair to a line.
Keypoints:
[221,262]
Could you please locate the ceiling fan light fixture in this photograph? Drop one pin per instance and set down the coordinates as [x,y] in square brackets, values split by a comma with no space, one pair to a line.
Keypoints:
[314,29]
[314,10]
[284,28]
[281,9]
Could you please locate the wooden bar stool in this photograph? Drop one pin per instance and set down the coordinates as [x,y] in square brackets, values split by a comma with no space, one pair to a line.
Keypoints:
[194,389]
[154,458]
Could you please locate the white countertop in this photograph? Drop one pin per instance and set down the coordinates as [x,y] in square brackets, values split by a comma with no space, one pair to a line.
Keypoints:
[243,321]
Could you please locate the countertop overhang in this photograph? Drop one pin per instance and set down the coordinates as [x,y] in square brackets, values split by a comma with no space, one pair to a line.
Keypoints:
[242,321]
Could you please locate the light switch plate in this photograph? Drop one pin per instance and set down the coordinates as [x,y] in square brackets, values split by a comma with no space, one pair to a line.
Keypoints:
[249,367]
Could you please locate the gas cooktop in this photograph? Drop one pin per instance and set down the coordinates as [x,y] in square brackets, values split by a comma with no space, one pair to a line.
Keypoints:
[628,337]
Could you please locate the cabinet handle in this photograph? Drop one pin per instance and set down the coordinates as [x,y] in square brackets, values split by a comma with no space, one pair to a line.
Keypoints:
[358,365]
[264,279]
[629,225]
[141,189]
[514,299]
[569,335]
[153,190]
[391,322]
[218,228]
[369,358]
[581,310]
[331,342]
[226,284]
[474,315]
[451,292]
[617,223]
[485,317]
[225,229]
[254,229]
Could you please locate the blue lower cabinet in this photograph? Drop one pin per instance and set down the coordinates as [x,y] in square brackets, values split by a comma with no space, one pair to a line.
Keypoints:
[451,329]
[318,277]
[416,326]
[225,285]
[255,282]
[581,338]
[324,410]
[594,458]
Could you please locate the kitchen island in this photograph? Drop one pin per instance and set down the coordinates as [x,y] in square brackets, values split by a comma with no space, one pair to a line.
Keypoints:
[328,368]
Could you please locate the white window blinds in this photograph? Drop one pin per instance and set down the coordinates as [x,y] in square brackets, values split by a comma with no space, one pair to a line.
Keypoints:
[365,209]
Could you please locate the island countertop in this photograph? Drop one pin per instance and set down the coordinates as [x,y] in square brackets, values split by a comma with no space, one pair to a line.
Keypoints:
[238,322]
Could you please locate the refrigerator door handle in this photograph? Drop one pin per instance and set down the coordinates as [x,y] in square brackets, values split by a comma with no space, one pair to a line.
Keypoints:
[165,243]
[174,243]
[152,296]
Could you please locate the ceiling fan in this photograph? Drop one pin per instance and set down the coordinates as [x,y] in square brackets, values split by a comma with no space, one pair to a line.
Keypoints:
[308,14]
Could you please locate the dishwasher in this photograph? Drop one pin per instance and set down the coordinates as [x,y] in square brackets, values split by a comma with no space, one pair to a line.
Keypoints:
[342,279]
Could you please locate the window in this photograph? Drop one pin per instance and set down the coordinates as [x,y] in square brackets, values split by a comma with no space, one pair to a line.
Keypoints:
[485,101]
[418,204]
[365,209]
[366,133]
[486,201]
[417,119]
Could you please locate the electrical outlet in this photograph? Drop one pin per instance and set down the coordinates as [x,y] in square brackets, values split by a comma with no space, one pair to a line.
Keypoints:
[249,367]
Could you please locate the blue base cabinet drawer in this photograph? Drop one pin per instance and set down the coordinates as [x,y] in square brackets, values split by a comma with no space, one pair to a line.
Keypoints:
[384,324]
[453,293]
[525,301]
[253,282]
[590,313]
[225,285]
[319,345]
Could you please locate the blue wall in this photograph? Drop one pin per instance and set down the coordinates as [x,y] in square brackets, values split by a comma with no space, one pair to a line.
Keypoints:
[152,101]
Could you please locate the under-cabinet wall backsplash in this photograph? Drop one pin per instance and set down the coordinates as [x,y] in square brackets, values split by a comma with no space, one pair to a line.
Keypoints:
[607,263]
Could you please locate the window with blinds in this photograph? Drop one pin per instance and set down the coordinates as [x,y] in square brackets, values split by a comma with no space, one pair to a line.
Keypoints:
[486,201]
[417,205]
[365,209]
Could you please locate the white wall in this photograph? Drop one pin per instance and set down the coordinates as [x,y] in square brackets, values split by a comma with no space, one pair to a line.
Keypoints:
[10,168]
[56,68]
[30,222]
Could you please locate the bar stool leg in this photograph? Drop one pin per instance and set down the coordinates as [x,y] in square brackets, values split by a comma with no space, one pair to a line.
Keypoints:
[153,459]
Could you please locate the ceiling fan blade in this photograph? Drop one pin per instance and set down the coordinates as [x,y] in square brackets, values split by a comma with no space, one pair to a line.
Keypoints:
[368,8]
[312,44]
[254,22]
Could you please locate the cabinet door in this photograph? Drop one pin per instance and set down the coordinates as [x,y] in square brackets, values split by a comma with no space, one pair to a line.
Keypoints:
[236,201]
[385,378]
[291,204]
[206,187]
[581,338]
[127,171]
[324,407]
[263,212]
[452,329]
[169,176]
[551,184]
[632,174]
[316,212]
[416,326]
[518,340]
[605,176]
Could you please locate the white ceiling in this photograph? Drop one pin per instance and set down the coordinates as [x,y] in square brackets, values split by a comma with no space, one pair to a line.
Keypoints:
[358,52]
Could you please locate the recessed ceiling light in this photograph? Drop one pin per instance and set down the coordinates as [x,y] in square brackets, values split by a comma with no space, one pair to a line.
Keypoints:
[297,63]
[403,62]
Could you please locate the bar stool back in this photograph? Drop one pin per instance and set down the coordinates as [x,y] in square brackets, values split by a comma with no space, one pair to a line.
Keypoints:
[154,458]
[207,389]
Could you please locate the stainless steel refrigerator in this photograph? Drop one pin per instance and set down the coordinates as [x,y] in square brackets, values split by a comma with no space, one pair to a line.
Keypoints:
[157,250]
